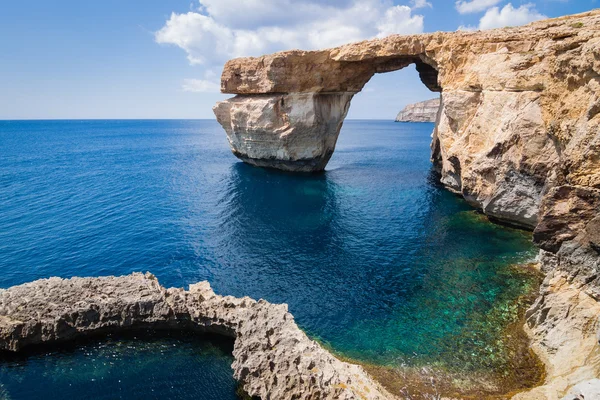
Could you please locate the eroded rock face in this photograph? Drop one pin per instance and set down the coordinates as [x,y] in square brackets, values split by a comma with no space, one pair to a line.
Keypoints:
[274,359]
[424,111]
[517,134]
[292,132]
[563,323]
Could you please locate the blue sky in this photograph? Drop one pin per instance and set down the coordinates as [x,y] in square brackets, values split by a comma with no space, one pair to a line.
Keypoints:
[162,59]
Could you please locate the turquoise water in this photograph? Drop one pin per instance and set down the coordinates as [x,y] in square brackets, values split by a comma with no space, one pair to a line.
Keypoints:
[374,258]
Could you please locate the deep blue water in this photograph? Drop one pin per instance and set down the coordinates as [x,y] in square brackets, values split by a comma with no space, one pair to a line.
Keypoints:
[135,366]
[374,258]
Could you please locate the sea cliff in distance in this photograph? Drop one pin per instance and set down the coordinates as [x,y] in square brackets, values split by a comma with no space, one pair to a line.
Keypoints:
[424,111]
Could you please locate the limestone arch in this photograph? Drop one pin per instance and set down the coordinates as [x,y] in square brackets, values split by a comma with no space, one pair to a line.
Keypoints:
[295,126]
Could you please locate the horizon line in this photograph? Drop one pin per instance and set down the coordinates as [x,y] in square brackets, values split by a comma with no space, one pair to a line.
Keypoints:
[153,119]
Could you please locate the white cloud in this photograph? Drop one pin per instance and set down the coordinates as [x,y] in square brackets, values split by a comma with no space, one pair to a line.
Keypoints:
[200,36]
[420,4]
[467,28]
[509,16]
[200,86]
[223,29]
[248,14]
[473,6]
[399,20]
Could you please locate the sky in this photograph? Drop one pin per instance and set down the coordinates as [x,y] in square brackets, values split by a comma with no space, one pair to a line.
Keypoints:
[74,59]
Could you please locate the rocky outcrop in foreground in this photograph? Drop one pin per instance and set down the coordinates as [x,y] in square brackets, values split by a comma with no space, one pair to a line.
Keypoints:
[563,324]
[424,111]
[274,359]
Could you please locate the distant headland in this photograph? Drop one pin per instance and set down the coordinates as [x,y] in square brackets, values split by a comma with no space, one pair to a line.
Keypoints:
[423,111]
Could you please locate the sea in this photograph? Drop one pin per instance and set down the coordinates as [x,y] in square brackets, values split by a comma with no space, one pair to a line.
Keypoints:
[376,260]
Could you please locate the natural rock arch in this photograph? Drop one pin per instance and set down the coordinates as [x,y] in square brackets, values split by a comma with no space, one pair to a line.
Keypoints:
[517,104]
[295,128]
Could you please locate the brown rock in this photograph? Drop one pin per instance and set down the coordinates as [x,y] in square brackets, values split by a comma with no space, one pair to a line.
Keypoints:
[519,107]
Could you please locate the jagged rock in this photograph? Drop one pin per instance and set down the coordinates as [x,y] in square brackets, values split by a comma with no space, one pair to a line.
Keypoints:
[424,111]
[273,358]
[566,211]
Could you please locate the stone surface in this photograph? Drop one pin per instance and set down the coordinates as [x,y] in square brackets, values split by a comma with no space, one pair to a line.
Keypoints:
[273,358]
[585,390]
[424,111]
[564,323]
[517,135]
[292,132]
[518,105]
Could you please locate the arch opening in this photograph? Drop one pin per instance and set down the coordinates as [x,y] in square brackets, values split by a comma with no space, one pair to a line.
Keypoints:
[295,128]
[427,73]
[394,86]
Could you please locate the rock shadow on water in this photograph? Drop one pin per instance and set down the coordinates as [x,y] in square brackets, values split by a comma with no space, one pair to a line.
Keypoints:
[140,363]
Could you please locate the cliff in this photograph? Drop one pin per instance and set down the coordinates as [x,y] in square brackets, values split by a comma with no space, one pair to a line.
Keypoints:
[424,111]
[517,135]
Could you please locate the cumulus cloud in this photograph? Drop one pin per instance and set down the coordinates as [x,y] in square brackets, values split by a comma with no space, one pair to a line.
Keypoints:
[399,20]
[473,6]
[420,4]
[200,86]
[509,16]
[221,29]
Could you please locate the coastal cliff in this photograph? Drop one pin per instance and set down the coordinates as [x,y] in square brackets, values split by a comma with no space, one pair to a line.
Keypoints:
[517,136]
[424,111]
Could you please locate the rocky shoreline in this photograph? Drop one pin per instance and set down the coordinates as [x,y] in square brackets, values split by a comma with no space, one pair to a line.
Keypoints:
[273,358]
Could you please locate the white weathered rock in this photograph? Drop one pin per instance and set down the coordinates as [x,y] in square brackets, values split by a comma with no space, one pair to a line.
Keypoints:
[585,391]
[292,132]
[563,323]
[424,111]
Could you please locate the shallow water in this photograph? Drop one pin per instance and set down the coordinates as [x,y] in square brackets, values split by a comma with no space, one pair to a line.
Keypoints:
[374,258]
